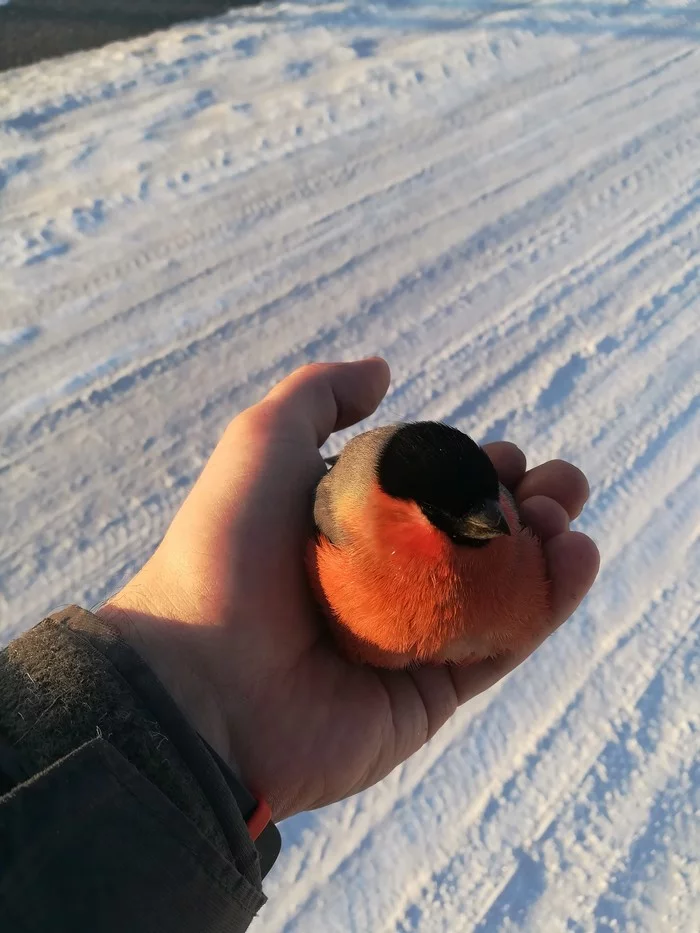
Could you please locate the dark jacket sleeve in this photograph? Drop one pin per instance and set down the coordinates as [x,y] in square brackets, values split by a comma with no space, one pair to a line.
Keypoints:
[114,814]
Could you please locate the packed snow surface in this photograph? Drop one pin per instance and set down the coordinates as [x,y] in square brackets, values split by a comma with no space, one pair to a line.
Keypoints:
[504,200]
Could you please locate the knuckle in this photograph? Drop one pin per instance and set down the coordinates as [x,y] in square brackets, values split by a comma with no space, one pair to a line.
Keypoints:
[308,369]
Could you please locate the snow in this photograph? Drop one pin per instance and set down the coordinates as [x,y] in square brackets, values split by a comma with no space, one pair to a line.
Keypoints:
[504,200]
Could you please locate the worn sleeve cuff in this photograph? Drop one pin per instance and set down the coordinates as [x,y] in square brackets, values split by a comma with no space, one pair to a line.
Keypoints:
[72,690]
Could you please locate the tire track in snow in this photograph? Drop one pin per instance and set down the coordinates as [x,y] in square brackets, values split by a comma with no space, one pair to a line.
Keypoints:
[541,79]
[619,797]
[480,110]
[515,321]
[533,329]
[142,263]
[525,216]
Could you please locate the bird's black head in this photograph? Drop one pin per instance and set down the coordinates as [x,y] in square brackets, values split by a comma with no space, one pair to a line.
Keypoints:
[449,477]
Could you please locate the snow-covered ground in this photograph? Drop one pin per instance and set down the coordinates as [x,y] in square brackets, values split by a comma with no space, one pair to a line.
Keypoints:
[503,199]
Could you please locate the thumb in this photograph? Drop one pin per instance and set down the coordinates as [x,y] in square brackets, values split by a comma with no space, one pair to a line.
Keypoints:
[318,399]
[268,454]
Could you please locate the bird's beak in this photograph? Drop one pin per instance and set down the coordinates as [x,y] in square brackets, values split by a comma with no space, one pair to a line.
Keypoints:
[489,521]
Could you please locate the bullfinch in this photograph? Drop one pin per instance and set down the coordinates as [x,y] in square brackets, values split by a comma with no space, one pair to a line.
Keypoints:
[419,554]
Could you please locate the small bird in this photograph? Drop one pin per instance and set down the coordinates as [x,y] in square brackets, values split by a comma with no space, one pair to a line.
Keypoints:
[419,554]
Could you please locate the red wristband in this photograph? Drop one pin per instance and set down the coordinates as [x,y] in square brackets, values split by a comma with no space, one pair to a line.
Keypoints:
[259,819]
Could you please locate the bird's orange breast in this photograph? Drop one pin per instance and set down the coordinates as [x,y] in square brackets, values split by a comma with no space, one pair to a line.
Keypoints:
[399,591]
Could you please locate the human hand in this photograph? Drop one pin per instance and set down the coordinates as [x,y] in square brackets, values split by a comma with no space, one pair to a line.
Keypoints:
[224,615]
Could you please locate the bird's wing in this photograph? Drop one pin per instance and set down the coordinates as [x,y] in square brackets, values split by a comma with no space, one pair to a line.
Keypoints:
[508,495]
[324,516]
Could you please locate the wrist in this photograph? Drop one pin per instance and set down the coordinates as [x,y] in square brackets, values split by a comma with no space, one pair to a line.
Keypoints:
[167,645]
[192,648]
[150,636]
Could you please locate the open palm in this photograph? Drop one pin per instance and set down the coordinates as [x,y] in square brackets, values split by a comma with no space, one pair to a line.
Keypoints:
[224,615]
